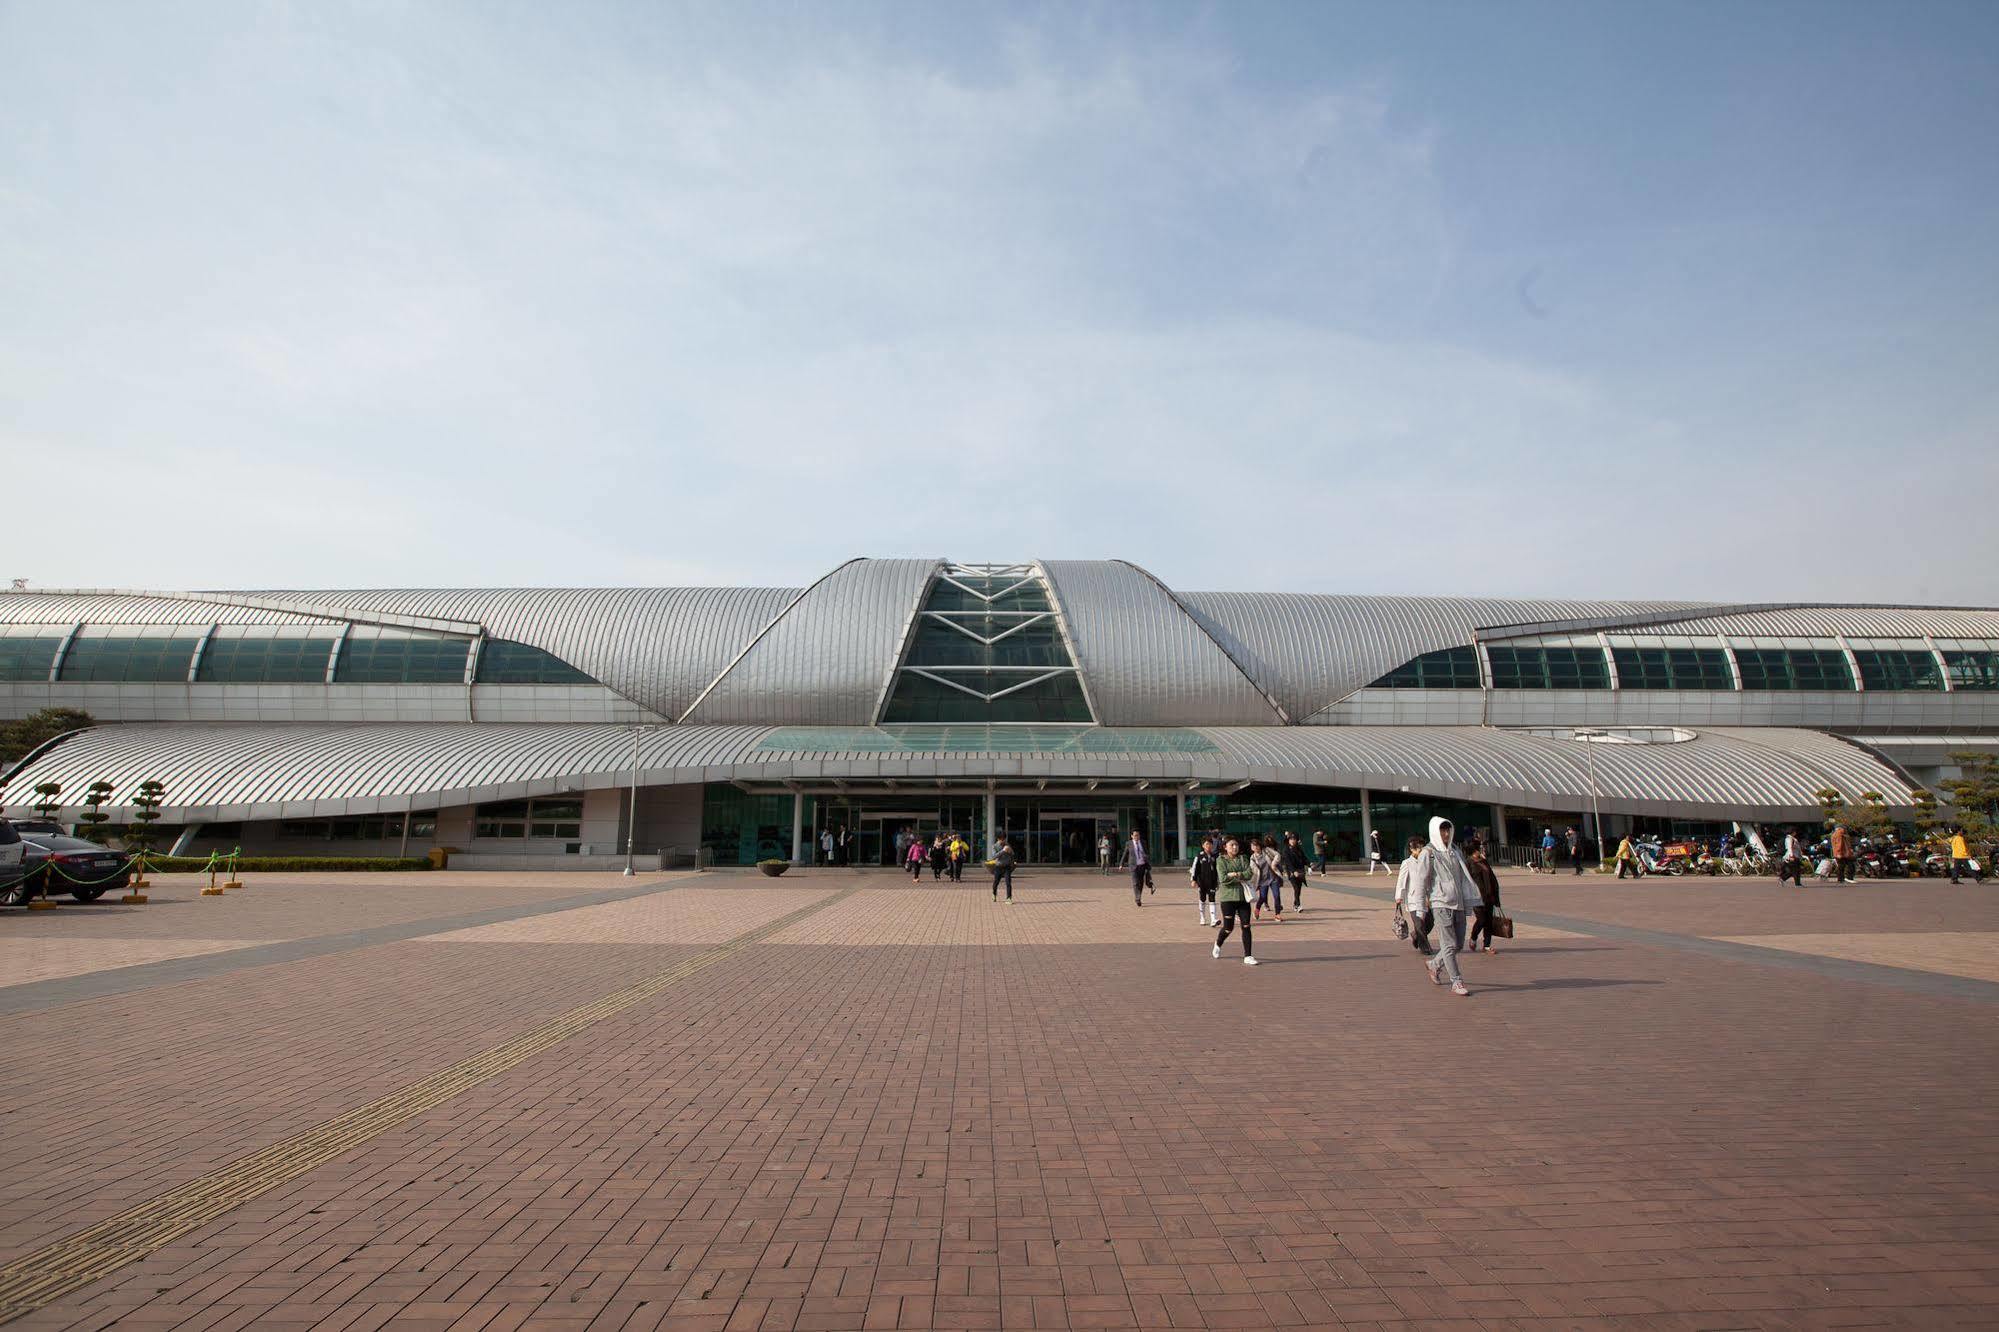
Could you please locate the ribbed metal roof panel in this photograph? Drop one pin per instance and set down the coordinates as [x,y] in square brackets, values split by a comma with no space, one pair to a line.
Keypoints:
[826,659]
[1853,621]
[1741,768]
[658,646]
[233,767]
[1311,651]
[1145,660]
[235,771]
[136,608]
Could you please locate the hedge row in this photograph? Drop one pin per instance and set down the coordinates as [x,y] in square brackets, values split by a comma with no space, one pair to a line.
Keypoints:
[287,864]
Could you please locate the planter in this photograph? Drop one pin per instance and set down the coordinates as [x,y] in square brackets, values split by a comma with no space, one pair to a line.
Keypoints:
[773,867]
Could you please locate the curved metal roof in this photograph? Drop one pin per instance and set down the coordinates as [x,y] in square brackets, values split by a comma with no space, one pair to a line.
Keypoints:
[1145,660]
[823,655]
[1312,651]
[827,658]
[657,646]
[254,771]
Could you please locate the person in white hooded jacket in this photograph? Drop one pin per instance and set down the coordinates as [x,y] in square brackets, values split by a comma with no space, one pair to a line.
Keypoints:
[1444,880]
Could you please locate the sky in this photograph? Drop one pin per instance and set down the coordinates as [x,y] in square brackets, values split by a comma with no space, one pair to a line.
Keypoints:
[1614,300]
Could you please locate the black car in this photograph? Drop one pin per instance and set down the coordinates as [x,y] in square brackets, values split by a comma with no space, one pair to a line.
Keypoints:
[55,864]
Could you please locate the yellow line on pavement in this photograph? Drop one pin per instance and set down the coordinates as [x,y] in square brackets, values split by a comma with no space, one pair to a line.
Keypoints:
[49,1273]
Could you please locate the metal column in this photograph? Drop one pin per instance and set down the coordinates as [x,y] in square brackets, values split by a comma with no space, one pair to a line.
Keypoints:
[992,834]
[798,827]
[1367,828]
[1499,824]
[1180,812]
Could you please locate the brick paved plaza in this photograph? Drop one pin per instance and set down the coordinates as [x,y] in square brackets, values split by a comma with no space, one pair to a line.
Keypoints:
[836,1101]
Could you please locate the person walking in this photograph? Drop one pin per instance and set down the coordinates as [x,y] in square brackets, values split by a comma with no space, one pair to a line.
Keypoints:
[1141,868]
[1374,857]
[1575,841]
[1792,863]
[940,858]
[1293,858]
[1444,881]
[1548,850]
[1627,860]
[1205,878]
[901,845]
[912,858]
[1269,880]
[1488,894]
[1842,854]
[1104,851]
[1232,872]
[960,851]
[1960,857]
[1003,861]
[1320,842]
[826,846]
[1407,904]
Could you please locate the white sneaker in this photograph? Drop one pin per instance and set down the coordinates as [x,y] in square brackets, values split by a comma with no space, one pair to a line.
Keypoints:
[1459,988]
[1249,961]
[1217,952]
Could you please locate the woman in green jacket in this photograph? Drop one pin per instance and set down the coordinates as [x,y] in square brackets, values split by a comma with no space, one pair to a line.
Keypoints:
[1234,872]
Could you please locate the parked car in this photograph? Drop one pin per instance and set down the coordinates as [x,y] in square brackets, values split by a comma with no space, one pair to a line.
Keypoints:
[85,870]
[13,873]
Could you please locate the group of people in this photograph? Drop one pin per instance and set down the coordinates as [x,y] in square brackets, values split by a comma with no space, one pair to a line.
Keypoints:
[1442,897]
[1569,847]
[945,854]
[1838,855]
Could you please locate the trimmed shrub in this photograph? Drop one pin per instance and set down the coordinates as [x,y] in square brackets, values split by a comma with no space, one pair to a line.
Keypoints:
[287,864]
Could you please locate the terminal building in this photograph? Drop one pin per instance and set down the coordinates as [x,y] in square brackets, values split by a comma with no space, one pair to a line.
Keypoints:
[1051,700]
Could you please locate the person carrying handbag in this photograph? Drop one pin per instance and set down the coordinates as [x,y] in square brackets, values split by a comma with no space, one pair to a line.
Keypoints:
[1488,892]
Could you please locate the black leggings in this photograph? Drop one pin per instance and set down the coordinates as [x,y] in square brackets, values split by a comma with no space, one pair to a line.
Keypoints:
[1481,920]
[1006,873]
[1230,911]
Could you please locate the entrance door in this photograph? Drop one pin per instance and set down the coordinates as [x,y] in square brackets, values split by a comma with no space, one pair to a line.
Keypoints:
[878,833]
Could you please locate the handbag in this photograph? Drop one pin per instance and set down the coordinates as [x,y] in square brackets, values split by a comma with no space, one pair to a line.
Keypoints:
[1401,926]
[1502,926]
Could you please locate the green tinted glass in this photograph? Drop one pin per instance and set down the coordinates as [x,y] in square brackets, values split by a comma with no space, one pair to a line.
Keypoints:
[131,660]
[27,658]
[265,660]
[505,662]
[402,661]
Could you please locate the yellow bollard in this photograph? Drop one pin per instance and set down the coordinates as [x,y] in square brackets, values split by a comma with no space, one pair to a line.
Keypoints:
[213,889]
[234,856]
[134,897]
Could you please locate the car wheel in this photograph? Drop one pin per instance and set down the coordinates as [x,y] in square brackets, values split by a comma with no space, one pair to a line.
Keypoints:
[15,893]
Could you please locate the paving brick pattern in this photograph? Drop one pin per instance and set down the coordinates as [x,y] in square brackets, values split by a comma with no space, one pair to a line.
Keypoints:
[881,1119]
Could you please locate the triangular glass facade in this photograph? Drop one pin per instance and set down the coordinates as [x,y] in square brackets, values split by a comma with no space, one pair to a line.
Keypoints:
[987,647]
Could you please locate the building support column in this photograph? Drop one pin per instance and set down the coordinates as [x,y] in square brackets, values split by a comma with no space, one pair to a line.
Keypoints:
[1367,830]
[1180,816]
[797,827]
[992,833]
[1499,824]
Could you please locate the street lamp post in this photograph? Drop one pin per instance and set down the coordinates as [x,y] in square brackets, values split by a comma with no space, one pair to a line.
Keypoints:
[1589,737]
[632,815]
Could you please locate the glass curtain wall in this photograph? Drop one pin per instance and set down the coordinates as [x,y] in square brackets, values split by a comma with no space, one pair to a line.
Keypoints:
[986,647]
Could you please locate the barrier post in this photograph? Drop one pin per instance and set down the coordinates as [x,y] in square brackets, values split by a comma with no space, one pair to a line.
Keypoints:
[138,881]
[133,896]
[42,901]
[213,889]
[235,854]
